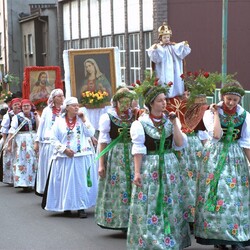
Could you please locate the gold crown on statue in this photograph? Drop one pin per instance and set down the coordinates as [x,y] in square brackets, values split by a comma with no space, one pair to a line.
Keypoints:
[164,29]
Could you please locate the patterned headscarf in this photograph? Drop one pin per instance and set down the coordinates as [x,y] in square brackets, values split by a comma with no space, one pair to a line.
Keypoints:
[54,92]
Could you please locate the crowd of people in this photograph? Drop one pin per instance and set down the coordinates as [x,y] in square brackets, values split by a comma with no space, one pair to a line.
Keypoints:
[155,181]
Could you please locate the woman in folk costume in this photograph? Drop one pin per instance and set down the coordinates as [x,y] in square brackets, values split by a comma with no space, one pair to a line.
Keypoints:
[222,209]
[72,182]
[43,143]
[167,58]
[23,133]
[14,108]
[116,167]
[157,217]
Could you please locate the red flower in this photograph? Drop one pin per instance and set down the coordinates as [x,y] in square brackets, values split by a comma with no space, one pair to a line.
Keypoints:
[138,82]
[182,76]
[156,81]
[133,85]
[170,84]
[196,74]
[206,74]
[189,73]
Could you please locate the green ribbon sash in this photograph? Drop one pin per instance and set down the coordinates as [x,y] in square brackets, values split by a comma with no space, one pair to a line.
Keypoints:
[89,182]
[160,203]
[211,202]
[110,146]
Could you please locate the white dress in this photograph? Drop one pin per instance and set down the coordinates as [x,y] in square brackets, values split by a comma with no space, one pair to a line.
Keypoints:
[169,65]
[68,187]
[45,148]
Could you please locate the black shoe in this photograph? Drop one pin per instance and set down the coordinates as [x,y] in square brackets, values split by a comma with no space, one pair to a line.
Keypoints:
[67,213]
[27,189]
[221,247]
[238,247]
[82,214]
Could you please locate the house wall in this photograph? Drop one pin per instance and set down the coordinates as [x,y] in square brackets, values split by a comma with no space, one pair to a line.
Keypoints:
[200,23]
[197,21]
[14,61]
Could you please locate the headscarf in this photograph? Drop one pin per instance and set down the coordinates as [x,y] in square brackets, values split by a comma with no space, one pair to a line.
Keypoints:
[54,92]
[98,73]
[13,101]
[26,101]
[70,100]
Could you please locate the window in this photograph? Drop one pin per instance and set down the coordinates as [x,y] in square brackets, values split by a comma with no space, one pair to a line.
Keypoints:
[119,42]
[67,45]
[84,43]
[75,44]
[134,50]
[95,42]
[30,45]
[25,45]
[106,41]
[147,44]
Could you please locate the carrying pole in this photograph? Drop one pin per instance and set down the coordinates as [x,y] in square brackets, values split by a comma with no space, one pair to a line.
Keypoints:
[224,40]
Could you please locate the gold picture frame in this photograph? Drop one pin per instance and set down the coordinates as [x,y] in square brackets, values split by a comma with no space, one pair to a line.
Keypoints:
[102,61]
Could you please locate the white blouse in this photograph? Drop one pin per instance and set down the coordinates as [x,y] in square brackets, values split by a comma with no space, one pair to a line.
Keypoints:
[208,120]
[77,139]
[137,133]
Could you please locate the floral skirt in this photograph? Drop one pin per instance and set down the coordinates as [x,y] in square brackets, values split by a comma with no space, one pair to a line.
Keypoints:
[190,161]
[25,162]
[229,223]
[147,225]
[114,191]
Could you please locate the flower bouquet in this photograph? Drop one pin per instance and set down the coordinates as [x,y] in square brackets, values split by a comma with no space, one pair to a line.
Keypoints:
[202,83]
[5,95]
[95,99]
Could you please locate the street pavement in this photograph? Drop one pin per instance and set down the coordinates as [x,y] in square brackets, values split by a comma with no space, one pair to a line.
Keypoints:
[24,225]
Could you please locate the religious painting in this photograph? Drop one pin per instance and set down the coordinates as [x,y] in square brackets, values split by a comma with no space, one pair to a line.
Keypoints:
[38,83]
[92,76]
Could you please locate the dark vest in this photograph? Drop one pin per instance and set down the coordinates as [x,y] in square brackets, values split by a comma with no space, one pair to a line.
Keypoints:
[25,127]
[154,144]
[238,123]
[117,126]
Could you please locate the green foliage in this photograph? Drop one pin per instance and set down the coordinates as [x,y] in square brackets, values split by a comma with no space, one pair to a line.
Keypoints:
[203,83]
[11,79]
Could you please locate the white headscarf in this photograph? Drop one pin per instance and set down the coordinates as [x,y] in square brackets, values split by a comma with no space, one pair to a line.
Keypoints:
[54,92]
[70,100]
